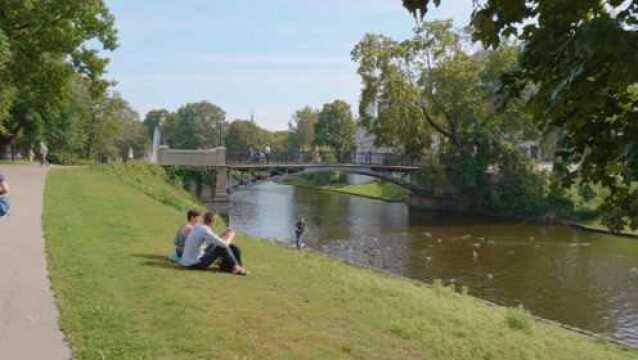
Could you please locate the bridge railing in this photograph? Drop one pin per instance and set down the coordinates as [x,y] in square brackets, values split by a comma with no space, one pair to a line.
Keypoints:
[321,157]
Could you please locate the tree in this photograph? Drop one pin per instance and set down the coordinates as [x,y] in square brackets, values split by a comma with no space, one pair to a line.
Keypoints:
[108,136]
[132,136]
[581,55]
[336,127]
[302,128]
[49,41]
[67,134]
[6,90]
[243,135]
[279,141]
[195,126]
[154,118]
[430,84]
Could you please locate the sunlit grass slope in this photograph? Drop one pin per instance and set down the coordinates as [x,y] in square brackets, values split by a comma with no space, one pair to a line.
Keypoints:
[120,299]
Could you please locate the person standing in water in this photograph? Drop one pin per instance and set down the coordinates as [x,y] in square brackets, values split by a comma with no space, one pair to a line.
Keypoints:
[300,229]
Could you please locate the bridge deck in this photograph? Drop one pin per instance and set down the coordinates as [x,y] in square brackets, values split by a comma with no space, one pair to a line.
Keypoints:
[294,165]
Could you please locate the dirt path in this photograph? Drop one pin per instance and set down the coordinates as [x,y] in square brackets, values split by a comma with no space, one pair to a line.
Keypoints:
[28,316]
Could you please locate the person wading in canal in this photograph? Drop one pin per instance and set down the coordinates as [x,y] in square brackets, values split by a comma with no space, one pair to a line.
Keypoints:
[300,229]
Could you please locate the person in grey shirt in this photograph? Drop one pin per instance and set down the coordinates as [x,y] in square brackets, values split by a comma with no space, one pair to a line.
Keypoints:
[4,196]
[203,247]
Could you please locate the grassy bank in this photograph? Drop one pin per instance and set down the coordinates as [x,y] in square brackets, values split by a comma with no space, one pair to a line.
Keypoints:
[587,213]
[120,299]
[375,190]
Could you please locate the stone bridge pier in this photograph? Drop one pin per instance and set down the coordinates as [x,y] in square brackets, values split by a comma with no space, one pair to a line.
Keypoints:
[201,159]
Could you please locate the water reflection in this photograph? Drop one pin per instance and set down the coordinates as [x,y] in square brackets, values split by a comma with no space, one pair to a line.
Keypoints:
[582,279]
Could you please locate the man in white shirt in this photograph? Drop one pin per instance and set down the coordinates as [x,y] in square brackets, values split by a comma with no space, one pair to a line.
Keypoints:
[203,247]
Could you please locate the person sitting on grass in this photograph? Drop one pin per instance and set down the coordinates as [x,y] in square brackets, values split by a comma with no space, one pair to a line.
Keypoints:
[4,196]
[193,217]
[195,258]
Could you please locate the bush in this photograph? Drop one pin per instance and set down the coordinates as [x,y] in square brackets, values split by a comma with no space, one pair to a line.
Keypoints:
[499,179]
[519,319]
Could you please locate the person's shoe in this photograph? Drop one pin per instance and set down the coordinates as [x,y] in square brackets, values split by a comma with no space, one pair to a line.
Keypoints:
[240,271]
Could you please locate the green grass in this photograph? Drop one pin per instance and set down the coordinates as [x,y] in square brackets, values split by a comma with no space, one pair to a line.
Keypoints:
[120,299]
[375,190]
[588,210]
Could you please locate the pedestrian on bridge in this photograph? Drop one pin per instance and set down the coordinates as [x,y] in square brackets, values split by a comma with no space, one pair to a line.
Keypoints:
[267,152]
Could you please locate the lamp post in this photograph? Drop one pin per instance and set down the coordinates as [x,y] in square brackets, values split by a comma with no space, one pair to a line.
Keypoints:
[160,124]
[221,133]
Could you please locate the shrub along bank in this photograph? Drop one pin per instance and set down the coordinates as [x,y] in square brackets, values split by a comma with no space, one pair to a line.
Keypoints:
[108,231]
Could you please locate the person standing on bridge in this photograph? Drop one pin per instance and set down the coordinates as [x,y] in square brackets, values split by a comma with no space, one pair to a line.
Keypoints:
[267,152]
[4,196]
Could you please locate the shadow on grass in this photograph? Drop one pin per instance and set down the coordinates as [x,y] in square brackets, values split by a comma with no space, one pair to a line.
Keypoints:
[160,261]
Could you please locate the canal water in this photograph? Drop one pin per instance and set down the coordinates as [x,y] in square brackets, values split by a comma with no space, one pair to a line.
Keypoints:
[578,278]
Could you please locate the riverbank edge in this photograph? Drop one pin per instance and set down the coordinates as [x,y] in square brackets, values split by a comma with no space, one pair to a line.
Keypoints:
[590,336]
[565,222]
[580,226]
[291,182]
[582,332]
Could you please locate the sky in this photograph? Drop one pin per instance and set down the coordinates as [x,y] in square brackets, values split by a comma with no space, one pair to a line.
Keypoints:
[267,57]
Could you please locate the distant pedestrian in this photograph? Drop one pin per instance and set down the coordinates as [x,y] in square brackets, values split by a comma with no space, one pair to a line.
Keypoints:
[251,154]
[267,152]
[44,154]
[4,196]
[300,229]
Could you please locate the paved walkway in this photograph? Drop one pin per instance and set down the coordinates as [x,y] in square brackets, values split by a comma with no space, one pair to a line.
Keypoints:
[28,315]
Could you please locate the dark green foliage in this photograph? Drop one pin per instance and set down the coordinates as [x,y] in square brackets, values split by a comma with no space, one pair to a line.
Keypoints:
[187,177]
[155,118]
[302,128]
[43,44]
[245,134]
[325,179]
[195,126]
[581,56]
[336,127]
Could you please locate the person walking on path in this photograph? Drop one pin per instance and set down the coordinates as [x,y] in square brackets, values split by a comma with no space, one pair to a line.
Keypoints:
[44,154]
[4,196]
[28,315]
